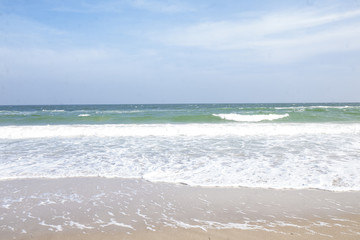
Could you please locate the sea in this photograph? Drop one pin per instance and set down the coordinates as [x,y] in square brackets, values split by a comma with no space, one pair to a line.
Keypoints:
[280,146]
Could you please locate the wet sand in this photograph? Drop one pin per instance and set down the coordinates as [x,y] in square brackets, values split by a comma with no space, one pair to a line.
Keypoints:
[100,208]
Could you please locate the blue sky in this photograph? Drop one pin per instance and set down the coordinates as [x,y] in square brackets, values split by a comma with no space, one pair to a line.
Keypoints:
[152,51]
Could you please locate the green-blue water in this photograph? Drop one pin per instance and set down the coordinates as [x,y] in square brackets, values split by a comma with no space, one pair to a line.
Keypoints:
[178,113]
[252,145]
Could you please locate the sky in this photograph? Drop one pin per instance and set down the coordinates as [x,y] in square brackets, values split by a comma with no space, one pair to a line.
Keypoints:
[172,51]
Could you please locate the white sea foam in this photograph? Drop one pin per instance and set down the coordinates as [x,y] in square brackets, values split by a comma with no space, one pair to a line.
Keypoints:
[78,225]
[268,155]
[247,225]
[20,113]
[334,107]
[168,130]
[316,107]
[56,110]
[251,118]
[119,111]
[115,223]
[83,115]
[57,228]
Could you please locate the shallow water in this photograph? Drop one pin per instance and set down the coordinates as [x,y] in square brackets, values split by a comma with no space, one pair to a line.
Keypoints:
[279,146]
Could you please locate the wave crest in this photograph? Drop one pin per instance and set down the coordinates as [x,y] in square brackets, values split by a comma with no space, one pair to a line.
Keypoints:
[251,118]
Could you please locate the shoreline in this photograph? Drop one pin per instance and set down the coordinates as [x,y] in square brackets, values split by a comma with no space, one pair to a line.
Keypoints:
[113,208]
[4,180]
[17,178]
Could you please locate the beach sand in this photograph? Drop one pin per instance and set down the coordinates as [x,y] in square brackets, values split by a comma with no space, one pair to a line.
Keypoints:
[101,208]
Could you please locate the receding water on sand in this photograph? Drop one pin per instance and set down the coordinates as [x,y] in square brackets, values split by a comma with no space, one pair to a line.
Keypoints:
[102,207]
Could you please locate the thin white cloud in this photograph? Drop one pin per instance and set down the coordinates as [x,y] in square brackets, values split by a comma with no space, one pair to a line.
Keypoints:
[87,7]
[118,6]
[39,61]
[286,36]
[16,23]
[169,6]
[97,64]
[19,31]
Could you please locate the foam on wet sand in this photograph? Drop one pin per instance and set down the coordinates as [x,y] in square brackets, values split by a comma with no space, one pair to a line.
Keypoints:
[98,208]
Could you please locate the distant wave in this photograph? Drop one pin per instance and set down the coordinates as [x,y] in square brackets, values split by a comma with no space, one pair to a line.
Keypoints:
[250,118]
[316,107]
[167,130]
[45,110]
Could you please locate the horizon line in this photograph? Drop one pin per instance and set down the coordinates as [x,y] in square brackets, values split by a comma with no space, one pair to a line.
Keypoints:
[213,103]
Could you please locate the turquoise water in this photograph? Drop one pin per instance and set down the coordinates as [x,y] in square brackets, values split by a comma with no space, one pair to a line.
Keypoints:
[180,113]
[252,145]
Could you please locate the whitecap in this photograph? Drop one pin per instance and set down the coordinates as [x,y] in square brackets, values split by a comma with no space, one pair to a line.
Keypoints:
[172,130]
[56,110]
[251,118]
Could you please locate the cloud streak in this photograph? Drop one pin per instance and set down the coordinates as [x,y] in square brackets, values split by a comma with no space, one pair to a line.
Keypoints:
[119,6]
[161,6]
[17,31]
[281,34]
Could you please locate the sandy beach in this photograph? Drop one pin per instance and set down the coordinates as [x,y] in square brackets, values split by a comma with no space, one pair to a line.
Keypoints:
[179,120]
[101,208]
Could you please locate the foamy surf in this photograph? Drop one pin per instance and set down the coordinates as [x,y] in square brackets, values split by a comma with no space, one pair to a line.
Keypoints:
[174,130]
[251,118]
[267,155]
[257,145]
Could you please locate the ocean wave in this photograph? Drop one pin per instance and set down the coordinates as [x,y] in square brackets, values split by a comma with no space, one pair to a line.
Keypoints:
[171,130]
[56,110]
[17,113]
[309,156]
[251,118]
[118,111]
[314,107]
